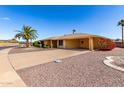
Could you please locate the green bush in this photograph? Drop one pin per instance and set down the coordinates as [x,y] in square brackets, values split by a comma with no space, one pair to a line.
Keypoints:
[37,44]
[46,46]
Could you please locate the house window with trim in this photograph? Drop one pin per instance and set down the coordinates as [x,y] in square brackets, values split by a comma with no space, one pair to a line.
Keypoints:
[60,42]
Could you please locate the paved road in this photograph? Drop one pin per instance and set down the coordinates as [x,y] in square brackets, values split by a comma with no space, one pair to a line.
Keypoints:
[5,47]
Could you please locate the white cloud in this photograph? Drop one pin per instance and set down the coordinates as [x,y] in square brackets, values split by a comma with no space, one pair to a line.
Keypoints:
[5,18]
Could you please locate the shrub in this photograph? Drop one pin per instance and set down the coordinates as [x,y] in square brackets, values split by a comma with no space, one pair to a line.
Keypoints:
[106,44]
[13,40]
[37,44]
[46,46]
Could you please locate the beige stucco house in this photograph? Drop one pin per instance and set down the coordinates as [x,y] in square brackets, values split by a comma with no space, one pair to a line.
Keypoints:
[77,40]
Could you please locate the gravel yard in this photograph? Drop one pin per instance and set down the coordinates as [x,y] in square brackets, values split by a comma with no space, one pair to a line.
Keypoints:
[85,70]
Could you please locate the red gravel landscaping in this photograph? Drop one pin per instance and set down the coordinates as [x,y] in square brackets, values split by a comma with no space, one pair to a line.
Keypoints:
[86,70]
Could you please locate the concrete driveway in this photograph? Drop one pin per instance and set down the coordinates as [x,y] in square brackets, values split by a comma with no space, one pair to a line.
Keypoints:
[29,59]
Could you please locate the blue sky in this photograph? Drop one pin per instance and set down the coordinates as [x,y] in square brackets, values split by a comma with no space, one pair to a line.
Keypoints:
[59,20]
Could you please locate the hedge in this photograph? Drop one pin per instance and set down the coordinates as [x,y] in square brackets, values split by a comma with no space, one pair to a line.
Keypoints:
[106,44]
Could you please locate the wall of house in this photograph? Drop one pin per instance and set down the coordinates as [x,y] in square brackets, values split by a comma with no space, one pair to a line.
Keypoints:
[60,46]
[84,43]
[74,43]
[81,43]
[77,43]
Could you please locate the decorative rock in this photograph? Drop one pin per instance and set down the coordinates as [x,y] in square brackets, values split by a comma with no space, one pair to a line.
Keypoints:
[58,61]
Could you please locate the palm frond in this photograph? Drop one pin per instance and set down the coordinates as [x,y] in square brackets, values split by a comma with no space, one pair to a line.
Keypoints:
[27,33]
[19,35]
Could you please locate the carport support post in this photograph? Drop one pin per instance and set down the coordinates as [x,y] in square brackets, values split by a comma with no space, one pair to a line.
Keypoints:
[91,46]
[57,43]
[51,44]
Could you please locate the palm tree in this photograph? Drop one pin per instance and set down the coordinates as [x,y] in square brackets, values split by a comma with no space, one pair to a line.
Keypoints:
[121,22]
[73,31]
[27,33]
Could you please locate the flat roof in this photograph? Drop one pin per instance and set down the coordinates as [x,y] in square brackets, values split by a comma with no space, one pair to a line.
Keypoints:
[72,36]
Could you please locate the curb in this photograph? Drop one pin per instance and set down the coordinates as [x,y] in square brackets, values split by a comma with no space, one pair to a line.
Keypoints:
[108,61]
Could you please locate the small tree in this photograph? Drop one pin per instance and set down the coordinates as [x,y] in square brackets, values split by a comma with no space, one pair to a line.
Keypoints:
[105,44]
[27,33]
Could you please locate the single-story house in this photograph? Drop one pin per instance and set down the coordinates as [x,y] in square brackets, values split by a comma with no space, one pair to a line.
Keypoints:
[118,42]
[77,40]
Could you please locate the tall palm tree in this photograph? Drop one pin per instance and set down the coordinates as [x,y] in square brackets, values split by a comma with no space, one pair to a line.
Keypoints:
[27,33]
[121,23]
[73,31]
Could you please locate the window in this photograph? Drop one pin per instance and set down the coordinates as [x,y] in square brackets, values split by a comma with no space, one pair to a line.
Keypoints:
[60,42]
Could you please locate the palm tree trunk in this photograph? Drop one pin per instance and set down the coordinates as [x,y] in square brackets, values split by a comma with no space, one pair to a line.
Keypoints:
[122,37]
[27,43]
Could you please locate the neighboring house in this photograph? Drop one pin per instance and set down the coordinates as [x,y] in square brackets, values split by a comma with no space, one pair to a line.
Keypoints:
[77,40]
[118,42]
